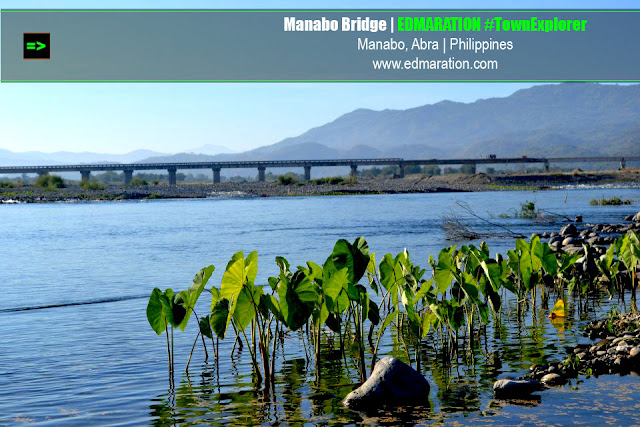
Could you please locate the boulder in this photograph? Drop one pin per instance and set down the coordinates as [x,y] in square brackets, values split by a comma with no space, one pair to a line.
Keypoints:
[569,230]
[571,241]
[636,217]
[516,387]
[553,379]
[392,382]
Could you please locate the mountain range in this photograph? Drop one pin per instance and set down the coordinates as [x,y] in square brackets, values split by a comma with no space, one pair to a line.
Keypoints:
[556,120]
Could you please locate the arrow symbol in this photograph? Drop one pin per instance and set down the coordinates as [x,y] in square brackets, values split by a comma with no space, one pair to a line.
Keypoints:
[32,46]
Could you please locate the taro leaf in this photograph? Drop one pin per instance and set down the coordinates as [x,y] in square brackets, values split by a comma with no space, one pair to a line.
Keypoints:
[469,286]
[273,282]
[371,270]
[483,311]
[333,287]
[444,269]
[283,264]
[297,299]
[333,322]
[314,272]
[215,296]
[220,317]
[424,289]
[233,278]
[190,297]
[547,258]
[155,313]
[320,314]
[244,310]
[387,321]
[205,326]
[274,306]
[374,313]
[558,309]
[427,320]
[391,276]
[181,310]
[353,257]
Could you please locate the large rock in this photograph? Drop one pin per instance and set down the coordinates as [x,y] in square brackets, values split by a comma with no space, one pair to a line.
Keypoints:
[515,388]
[636,217]
[569,230]
[391,383]
[553,379]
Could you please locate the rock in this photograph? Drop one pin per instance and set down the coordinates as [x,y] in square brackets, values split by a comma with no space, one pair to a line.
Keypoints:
[555,239]
[569,230]
[578,218]
[516,387]
[553,234]
[628,218]
[391,382]
[545,235]
[553,379]
[634,352]
[571,241]
[636,217]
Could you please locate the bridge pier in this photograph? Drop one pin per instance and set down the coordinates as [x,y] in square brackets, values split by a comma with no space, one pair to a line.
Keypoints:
[43,173]
[172,177]
[623,164]
[354,171]
[401,170]
[307,173]
[216,175]
[546,165]
[128,176]
[261,174]
[85,176]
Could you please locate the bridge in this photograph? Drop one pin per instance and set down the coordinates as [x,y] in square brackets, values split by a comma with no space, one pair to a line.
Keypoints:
[128,168]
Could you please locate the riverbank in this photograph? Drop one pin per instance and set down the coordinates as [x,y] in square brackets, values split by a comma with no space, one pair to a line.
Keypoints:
[409,184]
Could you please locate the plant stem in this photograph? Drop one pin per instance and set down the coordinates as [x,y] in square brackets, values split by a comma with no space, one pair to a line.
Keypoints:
[191,354]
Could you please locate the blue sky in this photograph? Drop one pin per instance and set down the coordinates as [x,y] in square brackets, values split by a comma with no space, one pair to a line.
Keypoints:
[121,117]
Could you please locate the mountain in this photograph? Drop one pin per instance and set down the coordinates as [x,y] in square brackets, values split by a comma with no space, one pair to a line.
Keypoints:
[571,119]
[555,120]
[210,149]
[33,158]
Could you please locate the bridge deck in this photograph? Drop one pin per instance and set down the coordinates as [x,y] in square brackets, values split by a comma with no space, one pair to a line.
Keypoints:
[300,163]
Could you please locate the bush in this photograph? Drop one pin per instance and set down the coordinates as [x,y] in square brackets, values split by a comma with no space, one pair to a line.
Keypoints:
[50,182]
[332,180]
[139,182]
[287,179]
[91,185]
[6,184]
[612,201]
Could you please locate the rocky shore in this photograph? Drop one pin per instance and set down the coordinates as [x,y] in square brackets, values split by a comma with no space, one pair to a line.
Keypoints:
[615,346]
[409,184]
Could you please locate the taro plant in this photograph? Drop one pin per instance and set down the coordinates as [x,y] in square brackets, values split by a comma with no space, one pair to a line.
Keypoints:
[167,308]
[629,254]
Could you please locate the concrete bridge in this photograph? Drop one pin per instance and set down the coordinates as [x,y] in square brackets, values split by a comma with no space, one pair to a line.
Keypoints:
[128,169]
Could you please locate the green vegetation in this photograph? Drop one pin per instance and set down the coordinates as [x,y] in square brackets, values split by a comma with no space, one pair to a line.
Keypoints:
[448,308]
[7,184]
[91,185]
[50,182]
[611,201]
[332,180]
[287,179]
[527,211]
[139,182]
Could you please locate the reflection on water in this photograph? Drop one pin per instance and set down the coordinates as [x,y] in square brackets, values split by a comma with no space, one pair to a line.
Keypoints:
[84,363]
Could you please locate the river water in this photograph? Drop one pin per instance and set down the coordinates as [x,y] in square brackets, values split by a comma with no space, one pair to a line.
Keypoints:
[76,348]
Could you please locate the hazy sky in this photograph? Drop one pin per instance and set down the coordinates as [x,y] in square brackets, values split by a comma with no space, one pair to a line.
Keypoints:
[121,117]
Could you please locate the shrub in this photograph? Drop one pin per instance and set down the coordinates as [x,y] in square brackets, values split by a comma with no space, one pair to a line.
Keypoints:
[286,179]
[91,185]
[50,182]
[612,201]
[6,184]
[140,182]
